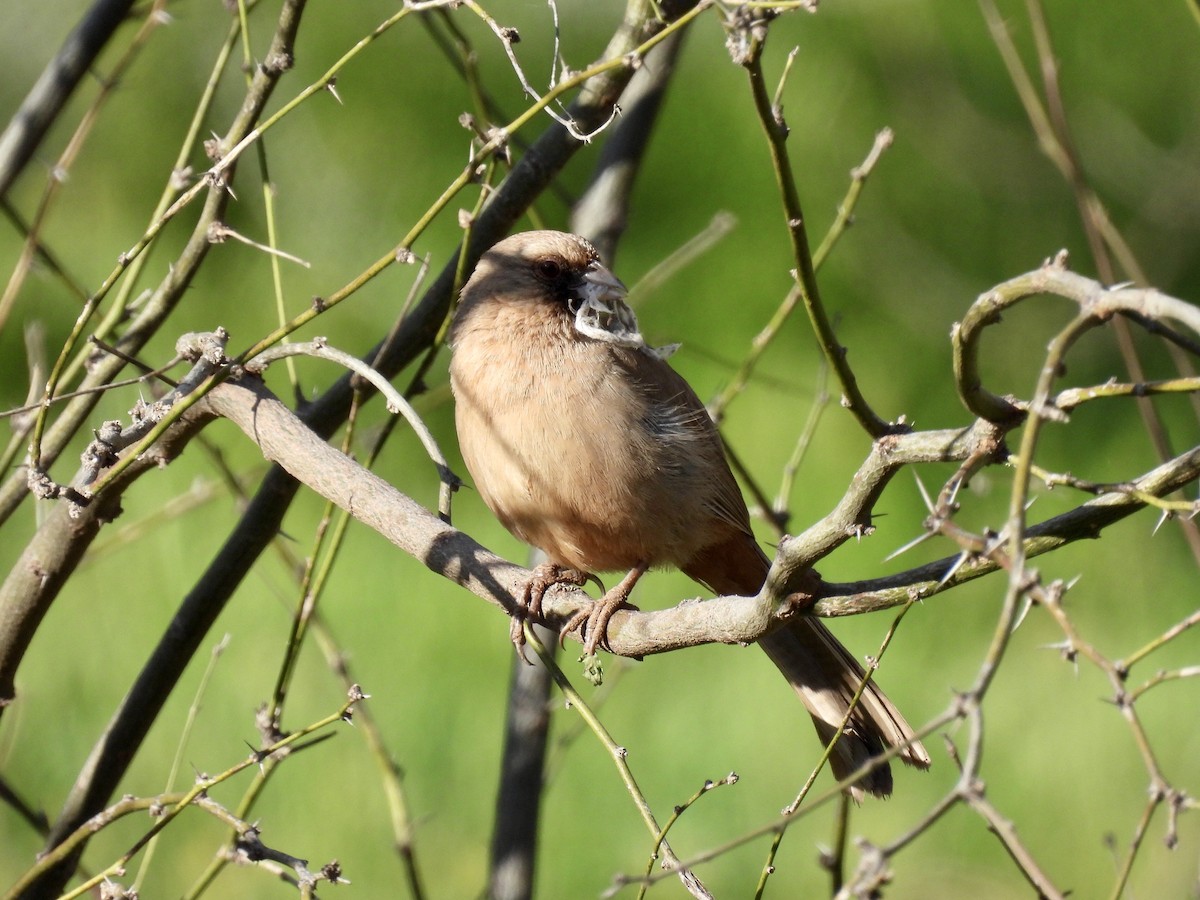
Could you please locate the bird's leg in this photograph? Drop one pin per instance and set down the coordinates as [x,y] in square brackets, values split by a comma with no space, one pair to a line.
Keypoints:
[594,619]
[544,577]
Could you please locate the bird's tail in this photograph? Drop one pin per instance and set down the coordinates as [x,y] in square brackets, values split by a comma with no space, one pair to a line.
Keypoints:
[826,677]
[822,672]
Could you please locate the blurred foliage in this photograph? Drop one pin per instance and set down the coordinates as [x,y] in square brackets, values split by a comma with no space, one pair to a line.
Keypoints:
[963,200]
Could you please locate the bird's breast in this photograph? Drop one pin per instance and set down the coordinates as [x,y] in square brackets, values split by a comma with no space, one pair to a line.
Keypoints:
[570,454]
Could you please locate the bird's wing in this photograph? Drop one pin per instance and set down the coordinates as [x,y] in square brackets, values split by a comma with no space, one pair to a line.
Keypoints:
[675,411]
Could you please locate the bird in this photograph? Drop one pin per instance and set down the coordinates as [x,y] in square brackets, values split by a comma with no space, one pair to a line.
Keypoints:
[585,443]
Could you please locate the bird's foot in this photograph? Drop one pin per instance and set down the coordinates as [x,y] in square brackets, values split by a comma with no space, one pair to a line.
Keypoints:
[592,622]
[544,577]
[594,619]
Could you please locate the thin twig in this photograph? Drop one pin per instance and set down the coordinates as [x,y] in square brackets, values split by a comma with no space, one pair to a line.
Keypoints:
[805,273]
[620,759]
[396,403]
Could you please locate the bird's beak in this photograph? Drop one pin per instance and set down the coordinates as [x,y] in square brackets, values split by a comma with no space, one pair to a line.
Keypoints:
[601,312]
[601,286]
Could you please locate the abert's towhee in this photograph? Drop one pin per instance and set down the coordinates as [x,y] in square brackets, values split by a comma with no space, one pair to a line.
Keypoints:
[587,445]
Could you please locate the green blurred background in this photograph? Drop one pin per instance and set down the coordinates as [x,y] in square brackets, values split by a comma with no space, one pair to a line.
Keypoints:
[963,200]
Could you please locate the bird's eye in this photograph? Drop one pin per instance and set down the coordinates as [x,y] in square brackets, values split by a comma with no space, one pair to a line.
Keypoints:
[548,269]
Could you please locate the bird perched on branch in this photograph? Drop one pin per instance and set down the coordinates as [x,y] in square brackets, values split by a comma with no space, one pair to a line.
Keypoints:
[586,444]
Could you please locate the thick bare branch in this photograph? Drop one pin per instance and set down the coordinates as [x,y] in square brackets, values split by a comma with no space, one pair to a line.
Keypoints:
[735,620]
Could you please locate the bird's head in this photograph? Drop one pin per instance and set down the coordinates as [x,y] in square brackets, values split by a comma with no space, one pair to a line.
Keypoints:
[552,274]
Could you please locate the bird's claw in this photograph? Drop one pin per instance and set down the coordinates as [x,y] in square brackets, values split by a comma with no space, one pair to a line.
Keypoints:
[592,623]
[544,577]
[594,619]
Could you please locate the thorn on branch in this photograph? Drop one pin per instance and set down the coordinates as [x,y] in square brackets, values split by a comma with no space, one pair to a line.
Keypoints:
[498,135]
[1053,593]
[1070,653]
[101,452]
[1049,412]
[952,751]
[858,531]
[1177,802]
[258,757]
[219,232]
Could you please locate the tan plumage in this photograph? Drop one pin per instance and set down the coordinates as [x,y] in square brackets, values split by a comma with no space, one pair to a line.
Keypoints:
[587,445]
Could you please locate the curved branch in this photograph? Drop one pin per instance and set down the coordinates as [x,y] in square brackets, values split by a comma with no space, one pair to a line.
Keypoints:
[1096,302]
[852,517]
[396,403]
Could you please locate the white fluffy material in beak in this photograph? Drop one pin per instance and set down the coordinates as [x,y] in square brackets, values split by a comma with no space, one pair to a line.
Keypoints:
[602,314]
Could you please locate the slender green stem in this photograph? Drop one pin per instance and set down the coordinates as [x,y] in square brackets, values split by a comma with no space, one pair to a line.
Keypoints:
[768,868]
[619,754]
[676,813]
[1169,635]
[805,272]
